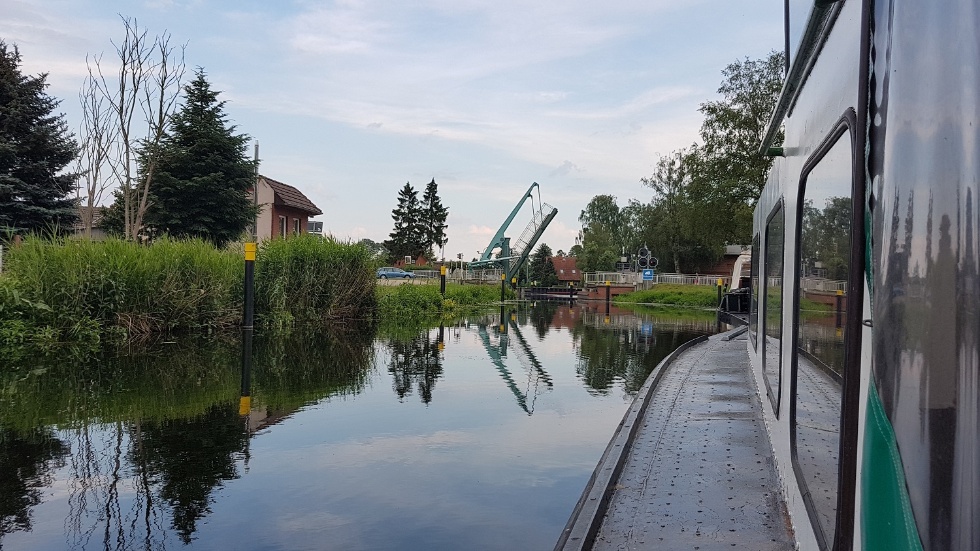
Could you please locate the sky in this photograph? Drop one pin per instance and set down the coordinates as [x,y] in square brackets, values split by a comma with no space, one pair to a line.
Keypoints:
[351,99]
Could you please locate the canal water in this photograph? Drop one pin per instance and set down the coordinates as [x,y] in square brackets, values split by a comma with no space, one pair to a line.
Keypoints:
[480,434]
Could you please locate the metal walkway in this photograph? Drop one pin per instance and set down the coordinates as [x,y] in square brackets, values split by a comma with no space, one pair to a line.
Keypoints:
[691,466]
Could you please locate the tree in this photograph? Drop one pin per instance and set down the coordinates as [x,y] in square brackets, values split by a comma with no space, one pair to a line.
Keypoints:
[680,223]
[203,173]
[35,147]
[408,235]
[607,232]
[97,135]
[542,271]
[434,216]
[148,80]
[729,168]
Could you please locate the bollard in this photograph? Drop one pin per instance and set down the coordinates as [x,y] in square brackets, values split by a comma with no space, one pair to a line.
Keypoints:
[608,292]
[245,404]
[503,283]
[839,306]
[719,291]
[442,281]
[249,286]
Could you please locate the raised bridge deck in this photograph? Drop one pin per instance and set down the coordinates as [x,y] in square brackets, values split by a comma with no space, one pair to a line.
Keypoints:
[691,466]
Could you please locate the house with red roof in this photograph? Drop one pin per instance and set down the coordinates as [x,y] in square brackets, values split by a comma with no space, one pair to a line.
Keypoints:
[566,270]
[284,210]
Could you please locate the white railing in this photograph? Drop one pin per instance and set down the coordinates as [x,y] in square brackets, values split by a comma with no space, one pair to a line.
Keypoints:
[614,278]
[686,279]
[821,285]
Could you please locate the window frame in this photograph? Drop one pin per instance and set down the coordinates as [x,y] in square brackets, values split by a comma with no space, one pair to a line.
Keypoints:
[851,370]
[282,225]
[774,398]
[754,291]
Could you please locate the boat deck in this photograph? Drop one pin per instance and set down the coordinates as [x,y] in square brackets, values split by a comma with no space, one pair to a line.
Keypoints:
[691,466]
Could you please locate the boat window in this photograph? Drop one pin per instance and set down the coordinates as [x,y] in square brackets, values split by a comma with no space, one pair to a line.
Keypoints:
[772,305]
[818,367]
[754,278]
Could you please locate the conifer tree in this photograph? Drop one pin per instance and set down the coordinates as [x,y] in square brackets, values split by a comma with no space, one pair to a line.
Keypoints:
[35,147]
[434,215]
[408,235]
[203,174]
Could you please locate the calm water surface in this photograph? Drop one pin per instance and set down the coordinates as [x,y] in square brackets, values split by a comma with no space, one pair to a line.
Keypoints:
[479,435]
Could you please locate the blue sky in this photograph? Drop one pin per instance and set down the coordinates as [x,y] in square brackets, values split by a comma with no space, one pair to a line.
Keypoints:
[350,99]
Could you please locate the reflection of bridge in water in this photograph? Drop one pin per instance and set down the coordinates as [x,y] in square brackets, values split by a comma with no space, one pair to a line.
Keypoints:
[497,351]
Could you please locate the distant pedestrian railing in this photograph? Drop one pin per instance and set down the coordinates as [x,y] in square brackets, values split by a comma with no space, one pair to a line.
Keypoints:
[631,278]
[614,278]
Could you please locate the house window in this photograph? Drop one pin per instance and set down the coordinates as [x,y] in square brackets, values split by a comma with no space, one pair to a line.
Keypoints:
[282,226]
[295,226]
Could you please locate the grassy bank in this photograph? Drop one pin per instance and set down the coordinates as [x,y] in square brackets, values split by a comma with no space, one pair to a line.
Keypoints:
[70,290]
[690,296]
[414,306]
[55,291]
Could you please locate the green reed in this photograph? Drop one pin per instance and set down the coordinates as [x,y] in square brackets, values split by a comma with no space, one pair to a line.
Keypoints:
[310,279]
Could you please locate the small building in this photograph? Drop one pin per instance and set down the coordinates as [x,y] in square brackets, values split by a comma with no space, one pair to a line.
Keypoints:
[78,230]
[566,270]
[284,210]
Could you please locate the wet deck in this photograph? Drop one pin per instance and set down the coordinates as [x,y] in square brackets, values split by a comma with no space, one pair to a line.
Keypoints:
[691,466]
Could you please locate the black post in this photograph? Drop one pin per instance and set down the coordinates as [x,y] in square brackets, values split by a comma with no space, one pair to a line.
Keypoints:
[245,404]
[839,306]
[608,293]
[719,291]
[571,291]
[442,281]
[503,283]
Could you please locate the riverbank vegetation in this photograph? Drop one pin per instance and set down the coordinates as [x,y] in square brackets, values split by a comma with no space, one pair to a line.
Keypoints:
[67,290]
[692,296]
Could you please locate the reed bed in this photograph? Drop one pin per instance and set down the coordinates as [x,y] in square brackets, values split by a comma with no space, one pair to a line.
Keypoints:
[307,279]
[142,289]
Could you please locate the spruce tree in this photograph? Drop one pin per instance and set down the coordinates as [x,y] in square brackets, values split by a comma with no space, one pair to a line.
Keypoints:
[35,147]
[434,215]
[542,271]
[408,235]
[203,177]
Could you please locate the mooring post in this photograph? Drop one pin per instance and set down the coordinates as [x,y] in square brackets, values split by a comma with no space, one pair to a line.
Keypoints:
[442,281]
[839,300]
[608,292]
[503,283]
[571,291]
[245,404]
[720,283]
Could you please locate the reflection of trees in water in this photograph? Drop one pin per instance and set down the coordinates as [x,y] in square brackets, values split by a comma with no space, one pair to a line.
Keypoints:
[151,436]
[415,363]
[301,368]
[607,354]
[542,315]
[185,460]
[26,462]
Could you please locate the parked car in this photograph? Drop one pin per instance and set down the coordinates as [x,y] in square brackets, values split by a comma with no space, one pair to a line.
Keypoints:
[389,272]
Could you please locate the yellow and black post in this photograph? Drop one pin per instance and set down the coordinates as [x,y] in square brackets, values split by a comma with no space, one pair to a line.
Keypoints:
[245,404]
[720,283]
[503,284]
[442,281]
[839,307]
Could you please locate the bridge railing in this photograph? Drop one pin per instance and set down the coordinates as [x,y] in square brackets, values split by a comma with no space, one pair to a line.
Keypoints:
[614,278]
[687,279]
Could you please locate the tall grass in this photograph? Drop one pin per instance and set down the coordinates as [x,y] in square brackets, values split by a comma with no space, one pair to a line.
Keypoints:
[307,278]
[141,289]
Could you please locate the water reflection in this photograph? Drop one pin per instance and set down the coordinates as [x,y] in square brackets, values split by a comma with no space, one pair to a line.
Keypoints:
[145,449]
[28,461]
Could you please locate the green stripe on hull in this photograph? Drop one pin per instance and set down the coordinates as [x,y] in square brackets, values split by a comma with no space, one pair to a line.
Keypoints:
[887,522]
